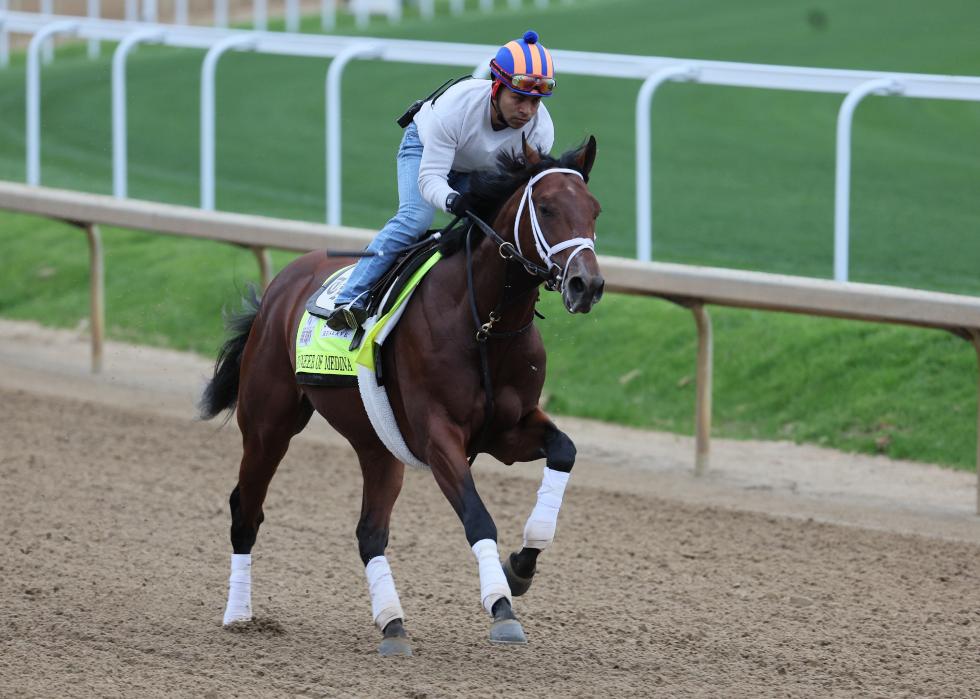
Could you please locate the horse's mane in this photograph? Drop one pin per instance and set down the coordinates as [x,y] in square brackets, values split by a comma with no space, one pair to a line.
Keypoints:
[490,189]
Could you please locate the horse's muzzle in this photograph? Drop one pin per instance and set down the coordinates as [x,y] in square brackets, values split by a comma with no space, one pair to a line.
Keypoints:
[582,291]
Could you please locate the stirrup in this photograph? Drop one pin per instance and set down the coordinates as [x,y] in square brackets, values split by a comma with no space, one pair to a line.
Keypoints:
[346,317]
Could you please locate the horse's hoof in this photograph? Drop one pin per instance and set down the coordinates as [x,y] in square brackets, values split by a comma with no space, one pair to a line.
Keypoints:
[518,585]
[394,647]
[395,642]
[507,632]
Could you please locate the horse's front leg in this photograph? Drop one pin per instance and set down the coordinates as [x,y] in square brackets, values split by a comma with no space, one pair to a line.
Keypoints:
[447,458]
[534,437]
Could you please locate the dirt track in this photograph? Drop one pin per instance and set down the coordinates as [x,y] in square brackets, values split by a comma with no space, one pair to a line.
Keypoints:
[114,566]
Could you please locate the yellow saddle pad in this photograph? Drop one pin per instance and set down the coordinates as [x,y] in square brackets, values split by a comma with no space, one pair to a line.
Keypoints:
[324,357]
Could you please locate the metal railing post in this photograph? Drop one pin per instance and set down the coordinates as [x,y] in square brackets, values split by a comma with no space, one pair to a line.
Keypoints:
[482,70]
[292,15]
[456,7]
[702,411]
[328,15]
[94,45]
[362,14]
[131,10]
[334,75]
[644,103]
[238,42]
[150,11]
[975,340]
[842,180]
[96,294]
[4,36]
[264,259]
[119,130]
[260,15]
[221,13]
[180,12]
[395,12]
[34,94]
[427,9]
[47,9]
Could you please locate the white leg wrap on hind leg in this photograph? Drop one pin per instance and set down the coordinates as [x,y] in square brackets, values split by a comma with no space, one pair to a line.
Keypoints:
[493,582]
[239,589]
[385,606]
[539,531]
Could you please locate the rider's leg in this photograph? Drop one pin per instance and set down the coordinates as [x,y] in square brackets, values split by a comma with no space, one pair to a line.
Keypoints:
[413,217]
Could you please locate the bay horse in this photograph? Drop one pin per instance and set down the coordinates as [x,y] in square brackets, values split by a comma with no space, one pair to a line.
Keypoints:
[467,327]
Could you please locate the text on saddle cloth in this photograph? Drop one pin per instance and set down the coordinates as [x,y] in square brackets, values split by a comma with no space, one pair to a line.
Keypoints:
[323,356]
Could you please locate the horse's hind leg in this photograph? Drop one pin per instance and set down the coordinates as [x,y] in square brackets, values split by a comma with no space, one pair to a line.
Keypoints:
[536,436]
[267,423]
[383,475]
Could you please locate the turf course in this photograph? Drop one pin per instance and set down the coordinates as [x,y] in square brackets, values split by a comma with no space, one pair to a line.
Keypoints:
[743,178]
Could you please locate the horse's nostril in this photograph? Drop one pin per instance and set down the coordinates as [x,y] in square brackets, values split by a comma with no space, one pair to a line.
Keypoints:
[576,285]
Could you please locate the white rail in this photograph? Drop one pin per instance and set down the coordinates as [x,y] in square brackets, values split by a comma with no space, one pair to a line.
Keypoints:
[4,36]
[334,143]
[240,42]
[842,191]
[644,197]
[692,287]
[34,93]
[649,69]
[119,146]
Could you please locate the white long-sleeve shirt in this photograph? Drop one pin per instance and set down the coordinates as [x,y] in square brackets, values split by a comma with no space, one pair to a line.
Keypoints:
[457,134]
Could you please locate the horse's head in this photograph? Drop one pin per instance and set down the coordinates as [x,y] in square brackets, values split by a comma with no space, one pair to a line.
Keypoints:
[555,217]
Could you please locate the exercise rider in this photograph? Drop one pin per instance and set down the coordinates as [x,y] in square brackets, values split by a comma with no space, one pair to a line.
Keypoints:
[458,132]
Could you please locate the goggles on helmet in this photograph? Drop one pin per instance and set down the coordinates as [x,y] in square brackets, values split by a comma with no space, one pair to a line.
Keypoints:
[533,85]
[527,83]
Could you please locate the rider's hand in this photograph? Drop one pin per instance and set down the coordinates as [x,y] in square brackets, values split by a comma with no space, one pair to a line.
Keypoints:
[459,204]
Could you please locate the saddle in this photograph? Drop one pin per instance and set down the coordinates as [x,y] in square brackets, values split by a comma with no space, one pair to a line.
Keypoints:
[327,357]
[384,292]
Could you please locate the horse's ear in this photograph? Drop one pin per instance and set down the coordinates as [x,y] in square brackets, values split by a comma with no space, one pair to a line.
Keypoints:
[531,154]
[585,158]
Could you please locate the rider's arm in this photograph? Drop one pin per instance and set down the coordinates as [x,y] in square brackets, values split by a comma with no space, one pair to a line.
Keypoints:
[437,160]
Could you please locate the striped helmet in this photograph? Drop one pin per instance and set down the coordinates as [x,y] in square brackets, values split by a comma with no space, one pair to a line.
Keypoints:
[524,66]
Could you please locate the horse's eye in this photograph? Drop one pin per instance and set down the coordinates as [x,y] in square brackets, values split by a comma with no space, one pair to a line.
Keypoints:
[546,212]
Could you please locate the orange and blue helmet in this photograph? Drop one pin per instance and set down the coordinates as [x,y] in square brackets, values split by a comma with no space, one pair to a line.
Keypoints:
[524,66]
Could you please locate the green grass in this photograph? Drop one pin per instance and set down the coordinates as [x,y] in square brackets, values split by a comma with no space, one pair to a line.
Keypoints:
[742,178]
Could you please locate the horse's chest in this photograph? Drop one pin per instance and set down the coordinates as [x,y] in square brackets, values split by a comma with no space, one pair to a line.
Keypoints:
[516,393]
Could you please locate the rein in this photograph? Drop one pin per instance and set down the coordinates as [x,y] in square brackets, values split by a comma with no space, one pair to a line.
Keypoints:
[552,275]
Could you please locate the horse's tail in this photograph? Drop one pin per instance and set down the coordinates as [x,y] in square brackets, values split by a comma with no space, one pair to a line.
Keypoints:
[221,393]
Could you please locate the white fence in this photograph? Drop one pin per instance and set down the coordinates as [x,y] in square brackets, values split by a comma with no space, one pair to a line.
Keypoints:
[691,287]
[653,71]
[361,10]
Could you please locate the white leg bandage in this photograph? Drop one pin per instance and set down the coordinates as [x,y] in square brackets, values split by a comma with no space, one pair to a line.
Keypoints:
[540,528]
[239,589]
[385,606]
[493,583]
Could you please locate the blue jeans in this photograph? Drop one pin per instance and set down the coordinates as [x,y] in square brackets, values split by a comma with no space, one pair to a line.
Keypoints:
[413,218]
